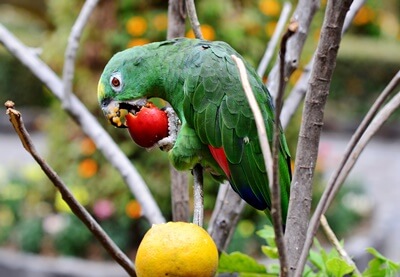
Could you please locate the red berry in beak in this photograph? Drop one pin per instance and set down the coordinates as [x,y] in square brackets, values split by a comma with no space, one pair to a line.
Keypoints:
[147,126]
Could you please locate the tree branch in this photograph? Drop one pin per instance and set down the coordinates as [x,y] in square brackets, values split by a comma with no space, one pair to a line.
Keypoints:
[376,123]
[76,207]
[354,8]
[176,19]
[303,14]
[89,125]
[198,213]
[225,216]
[261,131]
[229,205]
[179,179]
[194,21]
[271,168]
[368,127]
[287,6]
[335,242]
[72,47]
[276,209]
[310,130]
[295,97]
[342,172]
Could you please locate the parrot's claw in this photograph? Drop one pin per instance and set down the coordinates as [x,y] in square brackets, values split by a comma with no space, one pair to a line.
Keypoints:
[174,124]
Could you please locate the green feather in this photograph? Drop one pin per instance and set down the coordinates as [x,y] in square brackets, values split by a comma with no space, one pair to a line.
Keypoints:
[202,83]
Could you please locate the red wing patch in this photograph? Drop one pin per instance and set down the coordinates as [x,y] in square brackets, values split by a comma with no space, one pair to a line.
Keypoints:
[219,155]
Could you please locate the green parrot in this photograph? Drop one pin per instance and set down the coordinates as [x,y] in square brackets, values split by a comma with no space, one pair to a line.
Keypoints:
[201,82]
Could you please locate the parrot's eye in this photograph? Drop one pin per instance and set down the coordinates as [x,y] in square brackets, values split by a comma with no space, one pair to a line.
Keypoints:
[116,82]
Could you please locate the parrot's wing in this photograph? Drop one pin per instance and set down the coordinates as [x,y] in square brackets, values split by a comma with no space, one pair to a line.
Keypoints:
[216,107]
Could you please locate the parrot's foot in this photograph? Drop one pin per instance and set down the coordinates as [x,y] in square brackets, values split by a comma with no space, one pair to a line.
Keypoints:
[174,124]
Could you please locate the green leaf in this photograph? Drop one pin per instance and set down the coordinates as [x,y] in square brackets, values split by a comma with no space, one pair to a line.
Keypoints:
[308,272]
[274,269]
[268,234]
[270,252]
[316,259]
[338,267]
[380,265]
[239,262]
[257,275]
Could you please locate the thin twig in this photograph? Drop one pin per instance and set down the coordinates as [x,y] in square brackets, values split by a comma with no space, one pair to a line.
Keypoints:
[392,106]
[89,124]
[269,51]
[335,242]
[352,152]
[198,213]
[261,131]
[354,8]
[176,19]
[303,14]
[276,210]
[179,195]
[76,207]
[335,181]
[72,47]
[295,97]
[179,179]
[310,131]
[197,170]
[226,213]
[194,21]
[268,161]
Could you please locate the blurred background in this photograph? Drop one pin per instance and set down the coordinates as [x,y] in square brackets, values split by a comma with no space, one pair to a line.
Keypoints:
[33,217]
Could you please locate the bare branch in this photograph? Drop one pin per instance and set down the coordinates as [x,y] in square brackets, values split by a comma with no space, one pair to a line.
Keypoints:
[310,130]
[76,207]
[343,171]
[179,179]
[262,133]
[198,213]
[179,195]
[287,6]
[194,21]
[303,14]
[268,161]
[332,188]
[176,18]
[89,125]
[370,124]
[225,216]
[295,97]
[276,209]
[376,123]
[72,47]
[354,8]
[335,242]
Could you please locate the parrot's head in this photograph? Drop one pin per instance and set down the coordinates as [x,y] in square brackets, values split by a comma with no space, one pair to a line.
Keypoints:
[122,87]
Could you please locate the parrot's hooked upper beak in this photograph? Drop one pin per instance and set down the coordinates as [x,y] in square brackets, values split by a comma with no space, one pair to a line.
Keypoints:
[115,111]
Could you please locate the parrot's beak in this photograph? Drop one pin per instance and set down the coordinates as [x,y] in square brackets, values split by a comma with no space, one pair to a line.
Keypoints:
[115,111]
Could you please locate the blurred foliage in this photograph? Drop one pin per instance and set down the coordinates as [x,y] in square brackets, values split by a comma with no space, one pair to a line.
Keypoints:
[33,216]
[25,88]
[320,262]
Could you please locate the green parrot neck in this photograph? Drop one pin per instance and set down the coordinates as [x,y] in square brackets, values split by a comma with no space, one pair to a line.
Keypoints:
[172,75]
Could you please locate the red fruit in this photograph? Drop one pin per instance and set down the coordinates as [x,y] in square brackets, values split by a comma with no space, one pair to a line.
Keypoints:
[147,126]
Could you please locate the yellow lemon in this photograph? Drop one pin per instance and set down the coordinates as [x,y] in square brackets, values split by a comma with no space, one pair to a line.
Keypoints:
[176,249]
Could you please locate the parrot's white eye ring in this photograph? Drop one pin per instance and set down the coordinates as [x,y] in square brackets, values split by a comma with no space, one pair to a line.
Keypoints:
[116,81]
